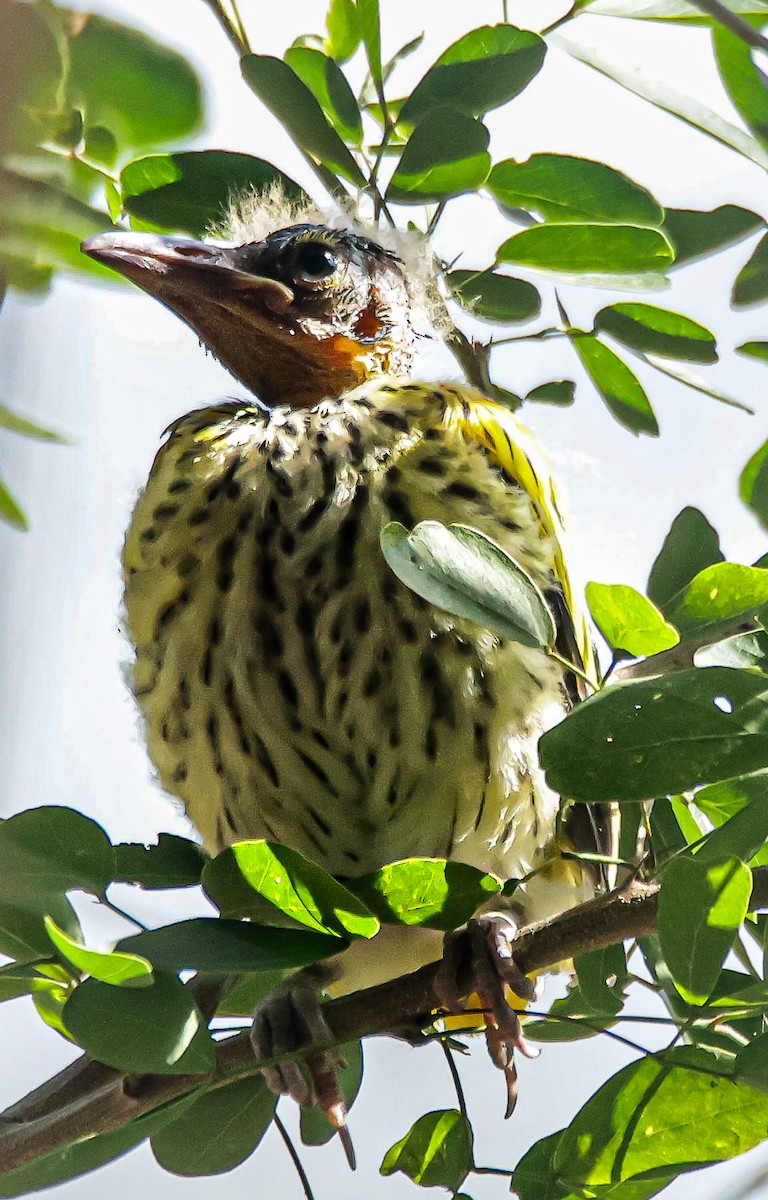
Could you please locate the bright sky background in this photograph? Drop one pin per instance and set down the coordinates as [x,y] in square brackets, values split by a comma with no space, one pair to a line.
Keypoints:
[111,369]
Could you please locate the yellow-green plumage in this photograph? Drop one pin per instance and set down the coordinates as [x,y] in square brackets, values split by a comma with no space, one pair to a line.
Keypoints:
[292,687]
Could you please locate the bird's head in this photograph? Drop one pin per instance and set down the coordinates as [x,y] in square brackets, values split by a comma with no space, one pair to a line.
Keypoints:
[305,313]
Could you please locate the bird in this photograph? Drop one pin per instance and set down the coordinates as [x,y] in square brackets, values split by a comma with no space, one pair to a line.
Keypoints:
[292,688]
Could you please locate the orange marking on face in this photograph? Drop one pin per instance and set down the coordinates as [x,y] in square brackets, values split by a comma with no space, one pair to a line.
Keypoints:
[368,324]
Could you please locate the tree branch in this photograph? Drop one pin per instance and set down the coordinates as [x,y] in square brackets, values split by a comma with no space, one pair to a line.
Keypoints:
[87,1099]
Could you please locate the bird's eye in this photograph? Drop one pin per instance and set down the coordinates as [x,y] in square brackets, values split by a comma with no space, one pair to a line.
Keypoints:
[314,262]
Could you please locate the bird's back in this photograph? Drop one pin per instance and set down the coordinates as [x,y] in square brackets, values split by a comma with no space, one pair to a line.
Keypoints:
[292,687]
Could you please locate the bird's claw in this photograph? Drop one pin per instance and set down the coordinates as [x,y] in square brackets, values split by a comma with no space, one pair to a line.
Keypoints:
[479,959]
[288,1021]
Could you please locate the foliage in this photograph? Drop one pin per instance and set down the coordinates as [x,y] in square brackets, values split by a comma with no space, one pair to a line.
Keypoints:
[97,119]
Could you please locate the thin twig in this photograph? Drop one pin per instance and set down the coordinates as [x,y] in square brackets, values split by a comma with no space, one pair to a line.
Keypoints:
[219,12]
[302,1174]
[460,1097]
[732,22]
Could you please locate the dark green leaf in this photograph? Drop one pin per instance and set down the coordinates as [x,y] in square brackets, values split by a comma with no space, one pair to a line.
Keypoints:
[535,1177]
[591,1004]
[648,328]
[83,1156]
[170,862]
[115,968]
[743,80]
[218,1130]
[10,509]
[617,385]
[122,79]
[315,1127]
[588,248]
[695,234]
[22,929]
[691,545]
[738,808]
[192,191]
[628,621]
[50,850]
[724,592]
[25,427]
[666,735]
[42,226]
[244,992]
[436,1151]
[751,285]
[30,83]
[493,296]
[465,573]
[329,85]
[701,906]
[563,188]
[264,880]
[291,101]
[751,1066]
[557,391]
[426,892]
[155,1029]
[753,484]
[754,350]
[446,154]
[657,1118]
[209,945]
[483,69]
[343,26]
[370,28]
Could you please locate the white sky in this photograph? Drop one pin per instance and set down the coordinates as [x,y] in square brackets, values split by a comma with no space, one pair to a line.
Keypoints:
[111,369]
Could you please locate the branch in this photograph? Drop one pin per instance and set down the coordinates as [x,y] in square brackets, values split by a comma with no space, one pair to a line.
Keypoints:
[733,22]
[87,1099]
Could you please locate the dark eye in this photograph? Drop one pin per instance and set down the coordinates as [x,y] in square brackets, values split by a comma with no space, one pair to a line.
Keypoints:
[314,262]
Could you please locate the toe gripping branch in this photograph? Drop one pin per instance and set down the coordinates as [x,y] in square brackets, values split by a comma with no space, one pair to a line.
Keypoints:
[478,960]
[288,1021]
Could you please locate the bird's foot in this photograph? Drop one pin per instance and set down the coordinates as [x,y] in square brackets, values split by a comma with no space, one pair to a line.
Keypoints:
[479,959]
[286,1022]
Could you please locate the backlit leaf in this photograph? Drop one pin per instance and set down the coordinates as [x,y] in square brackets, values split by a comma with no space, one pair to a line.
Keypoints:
[628,620]
[656,330]
[617,385]
[446,154]
[588,249]
[691,545]
[563,188]
[436,1151]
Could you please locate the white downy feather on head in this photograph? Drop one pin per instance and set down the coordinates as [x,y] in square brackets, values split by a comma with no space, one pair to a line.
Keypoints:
[253,215]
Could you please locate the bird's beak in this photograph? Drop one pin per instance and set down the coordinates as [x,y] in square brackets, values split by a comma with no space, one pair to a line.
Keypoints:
[238,315]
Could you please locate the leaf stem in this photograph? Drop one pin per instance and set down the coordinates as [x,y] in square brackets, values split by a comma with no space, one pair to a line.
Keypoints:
[732,22]
[460,1097]
[287,1139]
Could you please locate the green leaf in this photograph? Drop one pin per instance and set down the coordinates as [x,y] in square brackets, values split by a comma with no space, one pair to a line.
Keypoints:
[493,296]
[24,979]
[743,80]
[563,188]
[535,1177]
[22,931]
[724,592]
[25,427]
[329,85]
[31,88]
[660,736]
[658,1117]
[170,862]
[591,1005]
[694,234]
[743,650]
[119,970]
[465,573]
[212,945]
[680,105]
[192,191]
[42,226]
[751,1065]
[751,284]
[436,1151]
[556,391]
[754,350]
[261,879]
[588,248]
[702,903]
[656,330]
[682,373]
[446,154]
[691,545]
[219,1130]
[617,385]
[678,11]
[11,511]
[291,101]
[342,23]
[628,620]
[427,892]
[370,28]
[753,484]
[147,1030]
[80,1157]
[139,89]
[316,1130]
[482,70]
[737,808]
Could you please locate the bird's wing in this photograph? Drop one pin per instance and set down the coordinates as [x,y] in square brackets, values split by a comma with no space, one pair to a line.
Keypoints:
[517,452]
